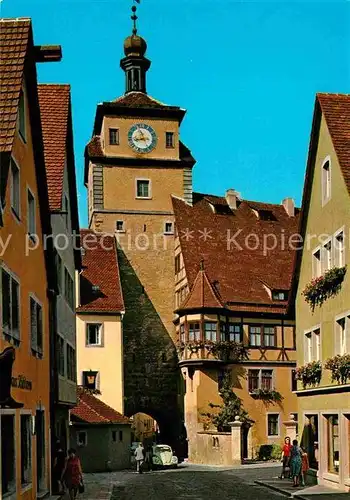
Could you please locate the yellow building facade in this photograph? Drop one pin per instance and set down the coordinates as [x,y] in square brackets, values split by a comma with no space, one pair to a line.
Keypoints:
[323,331]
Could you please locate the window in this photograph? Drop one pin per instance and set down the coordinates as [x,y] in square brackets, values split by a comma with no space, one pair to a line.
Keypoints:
[26,450]
[60,355]
[333,443]
[114,136]
[210,331]
[235,332]
[94,334]
[40,449]
[273,424]
[342,336]
[255,335]
[266,215]
[168,228]
[71,364]
[36,326]
[68,288]
[260,379]
[90,380]
[15,189]
[269,336]
[169,139]
[253,380]
[8,453]
[114,436]
[143,188]
[279,295]
[119,226]
[194,332]
[177,264]
[327,252]
[222,331]
[182,333]
[326,181]
[31,214]
[312,348]
[81,438]
[10,306]
[339,249]
[181,295]
[316,263]
[22,116]
[266,380]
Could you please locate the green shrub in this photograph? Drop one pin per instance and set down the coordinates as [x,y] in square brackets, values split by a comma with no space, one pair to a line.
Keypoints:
[270,452]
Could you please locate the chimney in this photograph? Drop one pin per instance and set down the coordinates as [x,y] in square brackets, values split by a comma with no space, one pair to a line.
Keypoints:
[289,206]
[231,197]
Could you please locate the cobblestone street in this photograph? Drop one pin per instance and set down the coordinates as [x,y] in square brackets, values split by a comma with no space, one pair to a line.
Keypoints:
[185,483]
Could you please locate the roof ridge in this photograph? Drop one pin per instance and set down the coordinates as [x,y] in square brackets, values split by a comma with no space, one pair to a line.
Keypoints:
[90,407]
[54,85]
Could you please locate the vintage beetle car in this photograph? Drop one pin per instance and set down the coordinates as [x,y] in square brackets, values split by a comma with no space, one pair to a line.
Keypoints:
[163,456]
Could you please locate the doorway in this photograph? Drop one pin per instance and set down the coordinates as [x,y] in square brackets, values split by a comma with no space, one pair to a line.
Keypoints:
[40,450]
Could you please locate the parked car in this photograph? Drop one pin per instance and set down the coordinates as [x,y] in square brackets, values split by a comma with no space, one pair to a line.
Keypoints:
[163,456]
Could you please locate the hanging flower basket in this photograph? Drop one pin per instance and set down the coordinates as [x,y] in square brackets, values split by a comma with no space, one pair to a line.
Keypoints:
[309,374]
[340,368]
[267,395]
[322,288]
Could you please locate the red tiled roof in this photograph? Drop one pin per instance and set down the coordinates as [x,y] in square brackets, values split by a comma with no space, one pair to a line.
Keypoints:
[54,101]
[239,270]
[141,100]
[94,147]
[92,410]
[336,110]
[202,294]
[14,38]
[100,269]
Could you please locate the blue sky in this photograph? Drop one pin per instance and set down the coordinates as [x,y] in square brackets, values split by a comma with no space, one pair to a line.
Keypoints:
[247,72]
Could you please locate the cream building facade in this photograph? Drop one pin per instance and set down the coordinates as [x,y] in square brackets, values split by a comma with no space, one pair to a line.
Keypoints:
[324,333]
[100,311]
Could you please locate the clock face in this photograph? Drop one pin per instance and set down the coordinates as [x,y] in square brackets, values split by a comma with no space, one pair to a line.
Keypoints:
[142,138]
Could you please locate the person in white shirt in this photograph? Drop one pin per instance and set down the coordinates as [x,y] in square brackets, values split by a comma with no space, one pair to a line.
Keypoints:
[139,455]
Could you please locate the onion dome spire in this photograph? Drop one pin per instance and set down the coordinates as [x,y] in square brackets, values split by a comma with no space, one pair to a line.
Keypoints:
[135,64]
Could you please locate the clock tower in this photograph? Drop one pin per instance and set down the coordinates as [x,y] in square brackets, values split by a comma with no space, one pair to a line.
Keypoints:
[134,163]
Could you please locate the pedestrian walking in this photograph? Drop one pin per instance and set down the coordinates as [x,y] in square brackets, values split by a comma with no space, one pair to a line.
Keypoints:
[73,474]
[58,467]
[140,456]
[285,456]
[295,462]
[304,466]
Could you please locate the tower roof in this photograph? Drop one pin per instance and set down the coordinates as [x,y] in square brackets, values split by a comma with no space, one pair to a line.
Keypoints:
[135,45]
[202,295]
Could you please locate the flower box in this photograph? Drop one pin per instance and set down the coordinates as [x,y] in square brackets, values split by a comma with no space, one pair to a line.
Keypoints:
[267,395]
[340,368]
[322,288]
[310,374]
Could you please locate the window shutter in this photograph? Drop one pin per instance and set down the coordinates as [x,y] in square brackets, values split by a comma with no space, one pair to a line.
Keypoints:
[306,349]
[33,325]
[39,326]
[337,334]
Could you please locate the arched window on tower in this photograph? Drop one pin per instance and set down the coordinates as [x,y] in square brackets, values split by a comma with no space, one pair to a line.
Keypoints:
[136,79]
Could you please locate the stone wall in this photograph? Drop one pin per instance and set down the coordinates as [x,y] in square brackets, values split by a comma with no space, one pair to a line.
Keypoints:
[152,381]
[212,448]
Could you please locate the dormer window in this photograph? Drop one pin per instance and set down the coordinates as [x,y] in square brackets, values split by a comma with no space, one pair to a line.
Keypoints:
[326,181]
[114,136]
[279,295]
[266,215]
